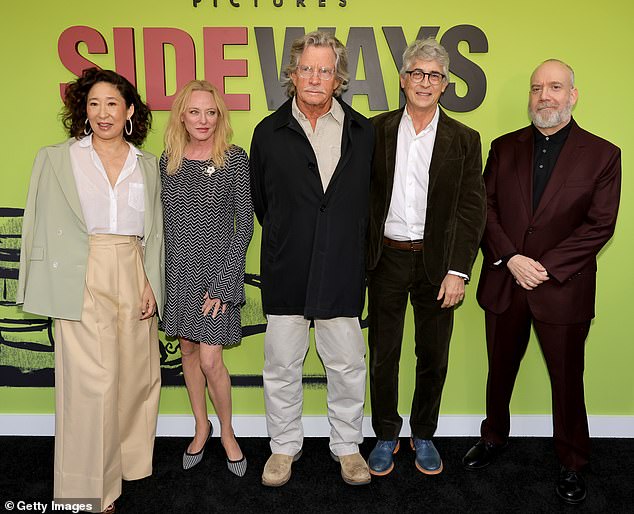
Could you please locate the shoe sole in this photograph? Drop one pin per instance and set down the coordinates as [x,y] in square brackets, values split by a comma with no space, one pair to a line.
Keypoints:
[429,471]
[569,501]
[286,477]
[350,482]
[390,469]
[347,480]
[277,484]
[382,473]
[421,468]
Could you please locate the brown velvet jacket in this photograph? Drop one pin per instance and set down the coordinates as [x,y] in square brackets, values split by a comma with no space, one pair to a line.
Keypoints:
[456,207]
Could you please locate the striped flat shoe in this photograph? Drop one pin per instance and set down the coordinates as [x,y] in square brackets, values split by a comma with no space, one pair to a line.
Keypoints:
[238,467]
[191,459]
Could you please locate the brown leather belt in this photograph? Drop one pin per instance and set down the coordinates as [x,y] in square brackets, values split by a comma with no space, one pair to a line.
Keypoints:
[412,246]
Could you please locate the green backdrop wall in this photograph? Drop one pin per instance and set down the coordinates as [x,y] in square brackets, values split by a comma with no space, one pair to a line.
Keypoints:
[595,38]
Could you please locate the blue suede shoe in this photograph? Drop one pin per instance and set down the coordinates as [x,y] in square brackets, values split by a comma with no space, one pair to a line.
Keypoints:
[427,457]
[381,460]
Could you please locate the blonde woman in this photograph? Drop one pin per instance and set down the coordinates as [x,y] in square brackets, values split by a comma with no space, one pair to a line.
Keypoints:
[208,225]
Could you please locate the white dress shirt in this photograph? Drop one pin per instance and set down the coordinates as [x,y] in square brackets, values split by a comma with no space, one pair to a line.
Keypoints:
[408,206]
[108,210]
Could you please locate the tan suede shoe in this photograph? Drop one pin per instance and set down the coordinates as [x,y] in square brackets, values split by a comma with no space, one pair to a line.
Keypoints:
[354,468]
[277,470]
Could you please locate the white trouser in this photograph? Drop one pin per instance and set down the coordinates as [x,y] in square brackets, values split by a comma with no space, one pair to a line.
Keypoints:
[341,347]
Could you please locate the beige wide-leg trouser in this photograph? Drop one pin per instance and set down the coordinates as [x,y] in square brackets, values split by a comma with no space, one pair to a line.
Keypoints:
[107,379]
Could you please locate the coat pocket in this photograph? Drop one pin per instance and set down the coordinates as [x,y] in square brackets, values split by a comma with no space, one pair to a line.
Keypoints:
[136,197]
[37,253]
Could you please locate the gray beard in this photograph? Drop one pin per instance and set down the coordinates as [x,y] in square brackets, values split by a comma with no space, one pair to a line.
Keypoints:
[549,119]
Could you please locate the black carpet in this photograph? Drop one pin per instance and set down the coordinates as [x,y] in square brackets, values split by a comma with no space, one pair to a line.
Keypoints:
[522,480]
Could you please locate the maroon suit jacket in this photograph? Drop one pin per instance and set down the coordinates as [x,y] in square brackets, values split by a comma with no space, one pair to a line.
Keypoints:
[575,217]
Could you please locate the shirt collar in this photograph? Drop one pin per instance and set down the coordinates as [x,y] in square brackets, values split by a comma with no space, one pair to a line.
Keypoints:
[336,111]
[558,137]
[433,124]
[86,142]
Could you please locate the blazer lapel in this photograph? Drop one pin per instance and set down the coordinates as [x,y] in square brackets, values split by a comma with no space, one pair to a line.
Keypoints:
[390,135]
[284,119]
[63,169]
[294,125]
[524,169]
[562,168]
[149,179]
[444,136]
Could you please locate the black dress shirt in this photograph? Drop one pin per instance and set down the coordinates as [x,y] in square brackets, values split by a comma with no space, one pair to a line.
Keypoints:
[546,150]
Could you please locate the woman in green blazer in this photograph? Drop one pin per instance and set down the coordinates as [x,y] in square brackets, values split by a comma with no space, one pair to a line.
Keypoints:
[92,258]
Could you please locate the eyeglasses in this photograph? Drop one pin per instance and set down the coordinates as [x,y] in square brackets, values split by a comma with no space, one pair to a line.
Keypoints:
[419,75]
[307,72]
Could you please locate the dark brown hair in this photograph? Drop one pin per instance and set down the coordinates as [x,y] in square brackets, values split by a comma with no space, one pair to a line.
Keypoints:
[74,110]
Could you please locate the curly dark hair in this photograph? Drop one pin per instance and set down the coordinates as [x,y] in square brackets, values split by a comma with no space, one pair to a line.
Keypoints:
[74,110]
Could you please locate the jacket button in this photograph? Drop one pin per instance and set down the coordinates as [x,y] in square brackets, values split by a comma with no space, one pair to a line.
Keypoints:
[322,208]
[55,265]
[531,230]
[311,165]
[59,232]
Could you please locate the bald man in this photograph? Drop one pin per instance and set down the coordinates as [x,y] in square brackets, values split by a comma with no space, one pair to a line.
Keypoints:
[552,200]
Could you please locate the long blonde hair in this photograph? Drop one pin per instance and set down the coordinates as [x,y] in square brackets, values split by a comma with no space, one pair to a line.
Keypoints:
[177,137]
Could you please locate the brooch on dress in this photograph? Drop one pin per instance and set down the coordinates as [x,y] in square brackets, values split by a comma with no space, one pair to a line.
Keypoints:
[211,169]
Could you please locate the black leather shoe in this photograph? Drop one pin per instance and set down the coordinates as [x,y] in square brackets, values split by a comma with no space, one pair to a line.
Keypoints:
[481,455]
[571,487]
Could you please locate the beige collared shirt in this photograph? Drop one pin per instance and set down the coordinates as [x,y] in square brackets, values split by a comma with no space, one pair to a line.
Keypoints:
[325,139]
[106,209]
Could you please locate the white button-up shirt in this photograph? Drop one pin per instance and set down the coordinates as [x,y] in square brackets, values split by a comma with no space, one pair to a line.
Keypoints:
[408,206]
[108,210]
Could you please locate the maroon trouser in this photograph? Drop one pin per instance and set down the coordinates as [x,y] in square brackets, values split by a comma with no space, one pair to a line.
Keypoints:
[563,349]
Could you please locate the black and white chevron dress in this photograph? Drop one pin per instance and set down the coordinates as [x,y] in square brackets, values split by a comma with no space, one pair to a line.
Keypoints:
[208,226]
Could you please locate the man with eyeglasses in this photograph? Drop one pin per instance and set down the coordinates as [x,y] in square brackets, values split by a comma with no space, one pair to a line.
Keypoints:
[427,213]
[553,194]
[310,181]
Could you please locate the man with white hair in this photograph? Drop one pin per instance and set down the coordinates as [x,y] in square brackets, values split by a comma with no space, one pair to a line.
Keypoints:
[427,213]
[310,180]
[553,195]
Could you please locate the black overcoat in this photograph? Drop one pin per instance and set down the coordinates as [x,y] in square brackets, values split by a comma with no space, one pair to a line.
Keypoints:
[312,254]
